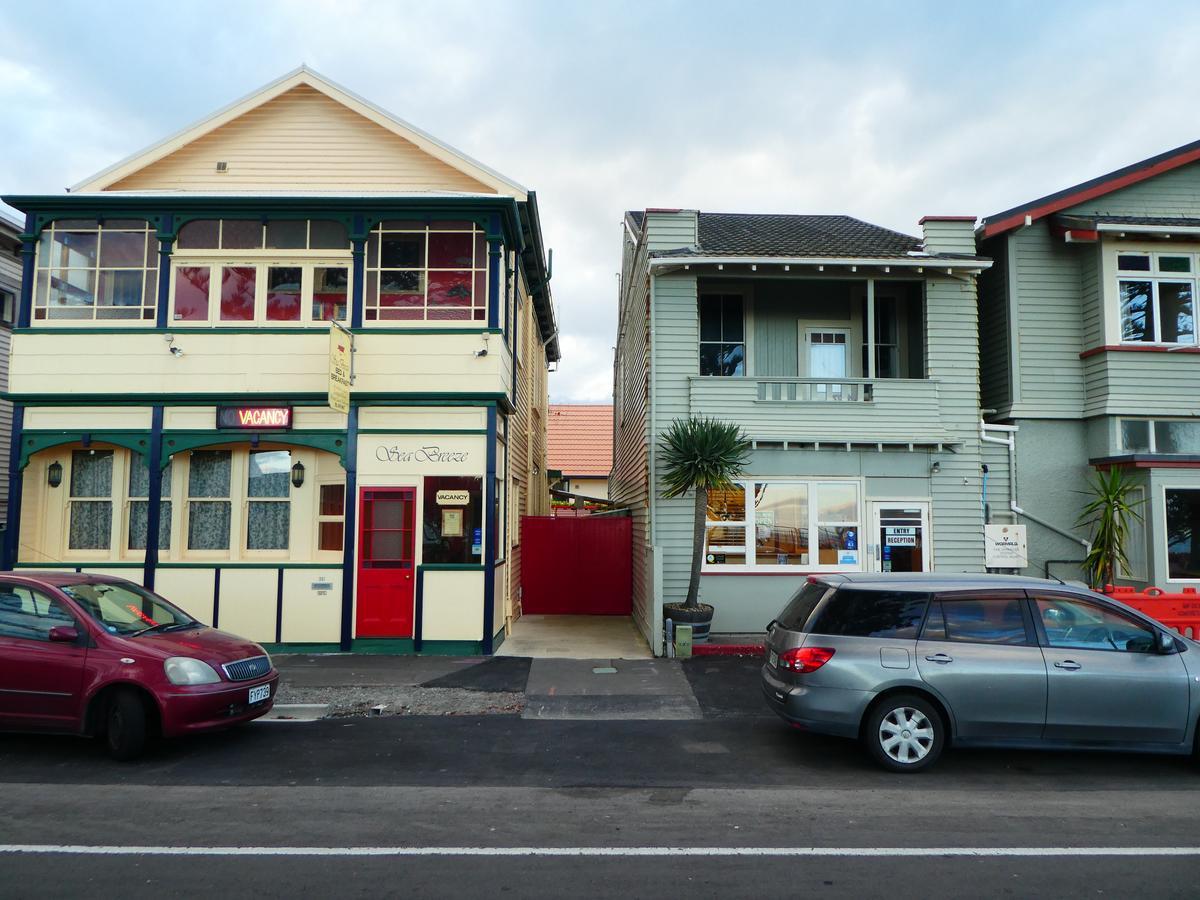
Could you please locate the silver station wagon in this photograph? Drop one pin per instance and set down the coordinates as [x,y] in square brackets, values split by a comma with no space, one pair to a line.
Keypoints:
[911,663]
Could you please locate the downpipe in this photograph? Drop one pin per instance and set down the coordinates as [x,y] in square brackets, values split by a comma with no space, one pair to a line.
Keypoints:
[1009,440]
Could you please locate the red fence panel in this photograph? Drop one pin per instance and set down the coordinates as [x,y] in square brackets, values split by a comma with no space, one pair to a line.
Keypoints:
[577,566]
[1180,611]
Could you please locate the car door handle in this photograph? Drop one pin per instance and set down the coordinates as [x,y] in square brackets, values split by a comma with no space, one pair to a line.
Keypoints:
[1068,664]
[939,658]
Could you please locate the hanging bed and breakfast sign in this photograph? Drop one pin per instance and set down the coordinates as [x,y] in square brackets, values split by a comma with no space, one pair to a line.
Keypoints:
[255,418]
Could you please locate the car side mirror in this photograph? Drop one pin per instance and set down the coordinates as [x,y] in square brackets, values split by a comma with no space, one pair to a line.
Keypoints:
[64,634]
[1164,642]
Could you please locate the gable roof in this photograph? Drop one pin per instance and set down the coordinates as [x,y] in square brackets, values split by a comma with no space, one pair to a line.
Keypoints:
[302,76]
[579,439]
[1089,190]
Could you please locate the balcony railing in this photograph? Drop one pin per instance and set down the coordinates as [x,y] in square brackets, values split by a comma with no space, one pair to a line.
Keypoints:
[851,410]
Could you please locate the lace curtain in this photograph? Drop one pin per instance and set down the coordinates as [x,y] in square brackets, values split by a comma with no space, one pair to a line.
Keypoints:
[208,519]
[91,518]
[139,510]
[269,520]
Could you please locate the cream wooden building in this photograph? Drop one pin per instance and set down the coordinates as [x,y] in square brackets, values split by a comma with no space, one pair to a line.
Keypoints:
[170,374]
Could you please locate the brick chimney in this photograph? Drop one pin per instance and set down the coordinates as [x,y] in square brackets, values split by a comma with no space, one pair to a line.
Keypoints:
[949,234]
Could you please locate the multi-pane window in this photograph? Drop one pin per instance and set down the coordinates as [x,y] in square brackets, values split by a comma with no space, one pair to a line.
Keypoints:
[96,272]
[234,271]
[8,307]
[722,335]
[1156,293]
[419,271]
[801,524]
[331,517]
[208,500]
[91,500]
[139,505]
[1168,436]
[1183,533]
[268,487]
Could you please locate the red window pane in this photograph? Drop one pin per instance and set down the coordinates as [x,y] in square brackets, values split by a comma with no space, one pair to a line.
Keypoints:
[449,288]
[445,314]
[331,536]
[479,298]
[333,499]
[449,251]
[481,251]
[397,315]
[237,293]
[191,293]
[283,293]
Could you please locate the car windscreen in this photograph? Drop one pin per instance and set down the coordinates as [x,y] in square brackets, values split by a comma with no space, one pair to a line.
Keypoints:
[126,609]
[801,606]
[855,612]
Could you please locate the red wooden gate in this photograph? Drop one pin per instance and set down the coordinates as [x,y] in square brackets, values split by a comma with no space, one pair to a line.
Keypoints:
[578,566]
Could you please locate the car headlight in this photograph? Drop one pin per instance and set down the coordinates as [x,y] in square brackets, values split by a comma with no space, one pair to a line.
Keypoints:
[185,670]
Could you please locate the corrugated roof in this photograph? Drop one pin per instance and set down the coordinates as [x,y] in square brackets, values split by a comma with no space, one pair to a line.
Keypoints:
[579,439]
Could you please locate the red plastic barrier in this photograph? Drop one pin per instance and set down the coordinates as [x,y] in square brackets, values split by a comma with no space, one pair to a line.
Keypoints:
[1178,610]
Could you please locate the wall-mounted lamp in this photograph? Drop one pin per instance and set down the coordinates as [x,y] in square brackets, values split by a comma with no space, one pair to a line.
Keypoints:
[298,475]
[54,474]
[935,468]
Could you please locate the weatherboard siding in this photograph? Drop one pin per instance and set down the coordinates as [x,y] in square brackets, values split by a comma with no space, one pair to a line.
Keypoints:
[994,346]
[1172,193]
[1135,383]
[10,280]
[301,140]
[671,230]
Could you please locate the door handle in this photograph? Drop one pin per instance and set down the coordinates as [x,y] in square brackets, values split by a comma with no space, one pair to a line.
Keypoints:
[939,658]
[1068,664]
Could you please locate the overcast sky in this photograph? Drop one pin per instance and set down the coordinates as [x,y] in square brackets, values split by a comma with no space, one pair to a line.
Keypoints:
[884,111]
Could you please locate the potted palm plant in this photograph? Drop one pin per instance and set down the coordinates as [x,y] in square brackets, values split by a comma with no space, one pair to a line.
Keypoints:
[1108,516]
[698,455]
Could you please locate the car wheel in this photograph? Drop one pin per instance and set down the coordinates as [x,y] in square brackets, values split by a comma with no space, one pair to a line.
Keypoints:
[904,733]
[125,726]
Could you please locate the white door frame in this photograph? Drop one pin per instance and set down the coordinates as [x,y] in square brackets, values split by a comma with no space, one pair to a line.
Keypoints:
[875,549]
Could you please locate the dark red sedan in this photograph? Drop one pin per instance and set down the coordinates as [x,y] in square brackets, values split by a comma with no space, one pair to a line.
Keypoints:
[90,654]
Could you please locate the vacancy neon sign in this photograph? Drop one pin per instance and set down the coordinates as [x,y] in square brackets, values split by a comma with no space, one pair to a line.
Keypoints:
[258,418]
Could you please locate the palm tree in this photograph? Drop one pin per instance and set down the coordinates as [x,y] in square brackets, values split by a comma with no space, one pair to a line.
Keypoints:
[1108,516]
[700,454]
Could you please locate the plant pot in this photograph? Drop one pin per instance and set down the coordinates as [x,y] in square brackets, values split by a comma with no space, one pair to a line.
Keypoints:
[699,617]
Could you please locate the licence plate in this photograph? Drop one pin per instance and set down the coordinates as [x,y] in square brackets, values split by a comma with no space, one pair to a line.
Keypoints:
[773,657]
[259,694]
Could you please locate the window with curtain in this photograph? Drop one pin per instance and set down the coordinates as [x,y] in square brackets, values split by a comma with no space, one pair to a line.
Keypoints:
[91,500]
[139,506]
[92,272]
[269,508]
[208,502]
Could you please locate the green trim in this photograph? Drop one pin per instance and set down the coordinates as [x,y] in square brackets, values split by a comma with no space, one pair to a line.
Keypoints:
[377,398]
[49,329]
[181,441]
[497,640]
[276,649]
[35,441]
[452,567]
[214,564]
[382,647]
[422,431]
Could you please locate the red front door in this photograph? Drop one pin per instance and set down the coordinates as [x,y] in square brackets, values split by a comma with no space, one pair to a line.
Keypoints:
[385,563]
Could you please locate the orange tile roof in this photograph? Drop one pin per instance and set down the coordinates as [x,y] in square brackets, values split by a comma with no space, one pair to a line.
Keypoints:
[579,439]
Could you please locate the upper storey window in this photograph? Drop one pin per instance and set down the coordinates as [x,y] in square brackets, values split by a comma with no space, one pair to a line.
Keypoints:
[96,272]
[722,335]
[426,272]
[243,272]
[1157,295]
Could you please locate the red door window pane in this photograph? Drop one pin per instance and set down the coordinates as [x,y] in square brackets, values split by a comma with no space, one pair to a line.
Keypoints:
[237,293]
[191,293]
[283,293]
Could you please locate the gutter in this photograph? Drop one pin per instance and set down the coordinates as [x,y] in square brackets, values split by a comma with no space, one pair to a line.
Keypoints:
[908,262]
[1010,441]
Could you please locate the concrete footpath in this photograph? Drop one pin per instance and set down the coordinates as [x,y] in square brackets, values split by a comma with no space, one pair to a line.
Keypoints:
[341,685]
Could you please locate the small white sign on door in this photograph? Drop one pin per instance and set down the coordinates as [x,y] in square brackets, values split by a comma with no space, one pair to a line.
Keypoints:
[1004,547]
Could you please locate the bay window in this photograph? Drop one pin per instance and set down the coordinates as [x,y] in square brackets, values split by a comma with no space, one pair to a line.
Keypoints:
[88,271]
[426,272]
[1156,293]
[1161,436]
[793,524]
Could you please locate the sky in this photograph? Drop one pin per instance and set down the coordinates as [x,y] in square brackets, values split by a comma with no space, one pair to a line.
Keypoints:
[884,111]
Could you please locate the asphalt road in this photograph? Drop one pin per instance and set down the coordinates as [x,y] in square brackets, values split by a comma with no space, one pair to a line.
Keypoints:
[499,805]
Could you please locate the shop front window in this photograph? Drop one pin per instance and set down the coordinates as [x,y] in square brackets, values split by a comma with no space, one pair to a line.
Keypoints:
[91,500]
[268,510]
[452,521]
[801,525]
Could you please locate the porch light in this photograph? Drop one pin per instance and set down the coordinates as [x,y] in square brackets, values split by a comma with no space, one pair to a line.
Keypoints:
[54,474]
[935,468]
[298,474]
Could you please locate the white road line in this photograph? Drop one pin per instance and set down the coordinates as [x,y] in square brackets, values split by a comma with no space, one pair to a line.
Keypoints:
[98,850]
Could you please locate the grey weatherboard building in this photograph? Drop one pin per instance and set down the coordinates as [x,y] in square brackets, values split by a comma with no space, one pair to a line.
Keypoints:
[1089,349]
[849,354]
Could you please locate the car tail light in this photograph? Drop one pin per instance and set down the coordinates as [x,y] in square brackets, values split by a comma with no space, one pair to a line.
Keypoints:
[805,659]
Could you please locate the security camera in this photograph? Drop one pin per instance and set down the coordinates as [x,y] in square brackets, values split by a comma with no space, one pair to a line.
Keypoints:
[177,351]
